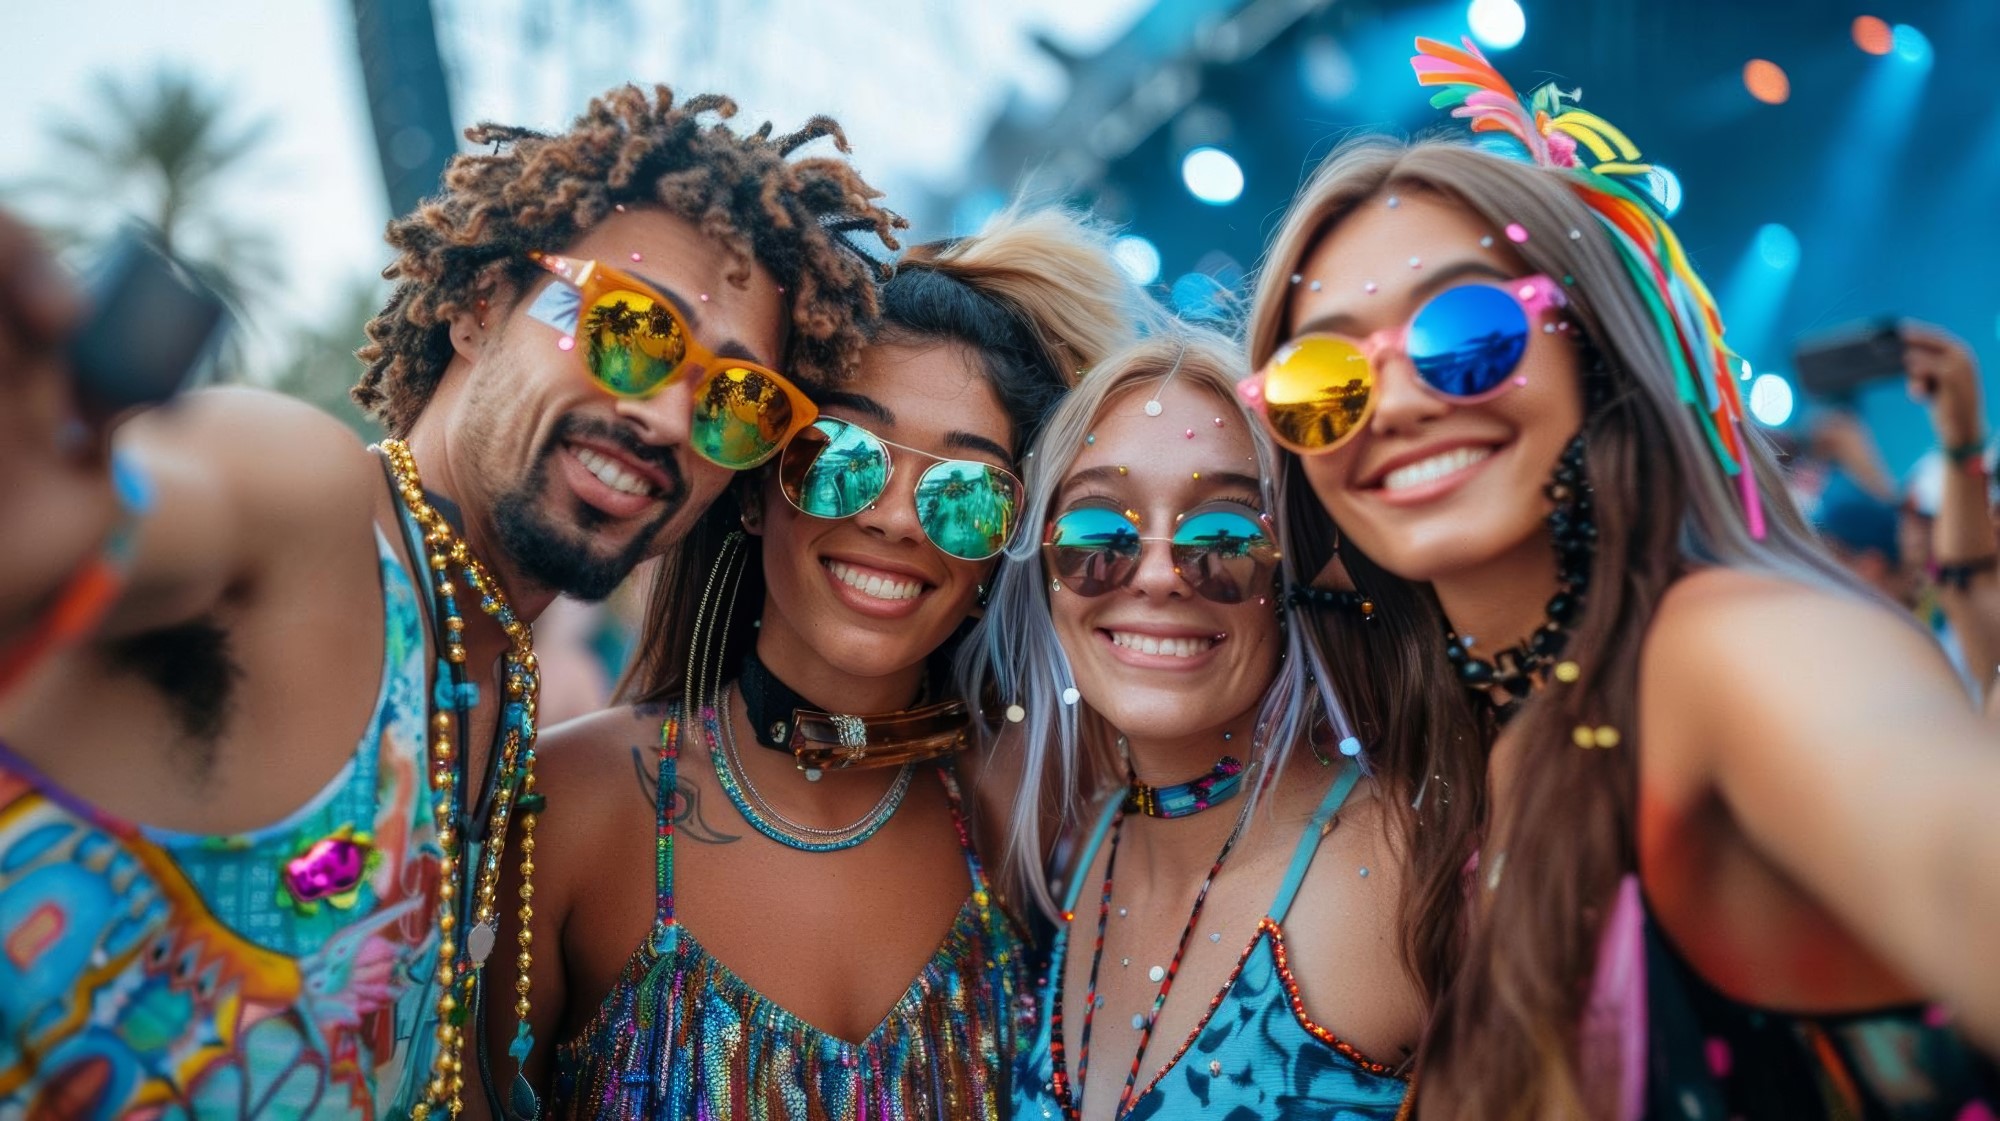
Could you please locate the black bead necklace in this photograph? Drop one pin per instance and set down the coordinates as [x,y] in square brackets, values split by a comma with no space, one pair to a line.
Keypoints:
[1513,673]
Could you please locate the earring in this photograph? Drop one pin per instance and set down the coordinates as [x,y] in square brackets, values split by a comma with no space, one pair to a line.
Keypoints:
[1055,585]
[980,594]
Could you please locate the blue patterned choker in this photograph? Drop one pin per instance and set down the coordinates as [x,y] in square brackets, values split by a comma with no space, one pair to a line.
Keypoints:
[1219,785]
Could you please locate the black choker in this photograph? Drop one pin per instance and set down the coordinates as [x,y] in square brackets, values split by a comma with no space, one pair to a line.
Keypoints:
[1514,672]
[822,741]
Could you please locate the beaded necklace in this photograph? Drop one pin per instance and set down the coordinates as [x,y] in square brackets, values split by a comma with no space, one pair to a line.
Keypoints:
[1219,785]
[1507,680]
[1066,1088]
[765,818]
[460,968]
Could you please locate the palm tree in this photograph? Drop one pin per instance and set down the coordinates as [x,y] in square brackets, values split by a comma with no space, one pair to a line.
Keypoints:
[160,148]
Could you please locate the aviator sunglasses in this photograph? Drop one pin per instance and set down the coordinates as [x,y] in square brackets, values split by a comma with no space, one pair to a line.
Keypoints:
[1224,555]
[635,343]
[1466,343]
[835,469]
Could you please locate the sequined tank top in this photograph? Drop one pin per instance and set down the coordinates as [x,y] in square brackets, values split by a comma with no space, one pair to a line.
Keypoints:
[279,973]
[1256,1053]
[681,1036]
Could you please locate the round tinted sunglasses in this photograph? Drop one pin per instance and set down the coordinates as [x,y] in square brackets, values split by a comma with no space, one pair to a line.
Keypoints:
[1466,343]
[1224,555]
[835,469]
[635,343]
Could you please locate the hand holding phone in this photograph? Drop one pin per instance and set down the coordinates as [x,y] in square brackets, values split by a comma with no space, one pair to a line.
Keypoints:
[1835,364]
[153,323]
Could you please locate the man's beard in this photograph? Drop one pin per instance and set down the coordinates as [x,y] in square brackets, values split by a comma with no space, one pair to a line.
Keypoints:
[549,553]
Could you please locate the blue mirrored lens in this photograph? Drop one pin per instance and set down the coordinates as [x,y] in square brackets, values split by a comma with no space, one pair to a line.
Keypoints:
[1223,555]
[848,473]
[1094,549]
[967,509]
[1467,340]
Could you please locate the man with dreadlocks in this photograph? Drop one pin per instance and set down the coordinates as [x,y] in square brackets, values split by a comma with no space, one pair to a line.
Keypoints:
[251,826]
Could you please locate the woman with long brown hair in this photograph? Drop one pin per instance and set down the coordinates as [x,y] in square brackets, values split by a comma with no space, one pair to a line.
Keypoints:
[1700,823]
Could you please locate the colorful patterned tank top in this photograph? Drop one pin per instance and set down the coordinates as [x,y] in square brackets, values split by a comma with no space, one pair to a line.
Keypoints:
[681,1036]
[1256,1053]
[279,973]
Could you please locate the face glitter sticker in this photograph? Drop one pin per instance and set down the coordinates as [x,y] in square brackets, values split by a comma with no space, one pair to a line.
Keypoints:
[1371,288]
[1154,408]
[636,257]
[1517,233]
[1486,242]
[1316,286]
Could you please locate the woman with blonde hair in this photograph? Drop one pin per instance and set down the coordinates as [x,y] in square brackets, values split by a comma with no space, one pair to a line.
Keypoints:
[1702,823]
[758,896]
[1226,932]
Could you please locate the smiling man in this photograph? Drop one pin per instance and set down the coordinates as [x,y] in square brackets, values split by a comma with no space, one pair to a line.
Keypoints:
[251,829]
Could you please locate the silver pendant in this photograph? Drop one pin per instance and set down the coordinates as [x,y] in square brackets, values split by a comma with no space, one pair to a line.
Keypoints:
[479,943]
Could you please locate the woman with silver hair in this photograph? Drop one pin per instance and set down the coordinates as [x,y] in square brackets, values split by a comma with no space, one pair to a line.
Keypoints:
[1226,930]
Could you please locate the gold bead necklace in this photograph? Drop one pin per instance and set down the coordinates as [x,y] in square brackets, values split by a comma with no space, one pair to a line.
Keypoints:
[458,979]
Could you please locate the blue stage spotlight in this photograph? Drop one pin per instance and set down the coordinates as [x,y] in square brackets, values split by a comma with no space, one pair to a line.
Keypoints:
[1911,45]
[1212,175]
[1138,257]
[1756,290]
[1771,400]
[1497,24]
[1778,246]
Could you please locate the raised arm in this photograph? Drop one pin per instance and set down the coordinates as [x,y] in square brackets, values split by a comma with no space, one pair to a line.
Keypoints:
[1840,741]
[1943,375]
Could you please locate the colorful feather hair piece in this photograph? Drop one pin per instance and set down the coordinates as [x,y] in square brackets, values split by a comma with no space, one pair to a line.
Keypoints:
[1624,191]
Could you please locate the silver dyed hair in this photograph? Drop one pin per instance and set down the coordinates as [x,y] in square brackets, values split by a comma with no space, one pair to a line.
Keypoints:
[1069,757]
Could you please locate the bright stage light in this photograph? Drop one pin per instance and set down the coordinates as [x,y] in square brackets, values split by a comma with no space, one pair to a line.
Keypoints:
[1767,81]
[1212,175]
[1873,35]
[1912,45]
[1771,400]
[1778,246]
[1138,257]
[1497,24]
[1665,186]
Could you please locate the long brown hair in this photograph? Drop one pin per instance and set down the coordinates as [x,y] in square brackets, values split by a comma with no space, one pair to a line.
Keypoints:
[1036,294]
[1508,979]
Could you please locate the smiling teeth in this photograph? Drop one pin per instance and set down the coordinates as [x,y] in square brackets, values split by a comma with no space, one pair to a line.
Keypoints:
[875,587]
[1436,467]
[1172,647]
[612,475]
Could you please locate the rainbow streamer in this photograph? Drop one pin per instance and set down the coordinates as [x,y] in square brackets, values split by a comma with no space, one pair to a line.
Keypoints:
[1617,184]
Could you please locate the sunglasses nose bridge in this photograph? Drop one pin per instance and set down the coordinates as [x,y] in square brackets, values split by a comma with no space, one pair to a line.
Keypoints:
[1155,573]
[665,416]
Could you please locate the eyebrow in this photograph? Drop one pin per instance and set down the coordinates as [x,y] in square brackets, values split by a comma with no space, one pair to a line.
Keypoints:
[1347,323]
[728,348]
[877,411]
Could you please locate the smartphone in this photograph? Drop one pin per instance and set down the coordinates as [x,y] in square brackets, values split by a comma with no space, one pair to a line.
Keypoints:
[152,325]
[1834,364]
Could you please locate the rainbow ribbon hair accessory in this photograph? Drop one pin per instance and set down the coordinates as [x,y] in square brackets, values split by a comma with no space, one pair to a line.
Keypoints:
[1626,195]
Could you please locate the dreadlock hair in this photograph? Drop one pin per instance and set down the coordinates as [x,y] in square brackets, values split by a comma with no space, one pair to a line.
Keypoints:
[537,192]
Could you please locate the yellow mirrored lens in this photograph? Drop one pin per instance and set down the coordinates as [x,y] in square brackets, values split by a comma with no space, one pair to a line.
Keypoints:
[740,415]
[633,344]
[1316,391]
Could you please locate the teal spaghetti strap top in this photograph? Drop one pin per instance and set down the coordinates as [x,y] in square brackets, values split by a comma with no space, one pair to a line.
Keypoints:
[1257,1053]
[682,1036]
